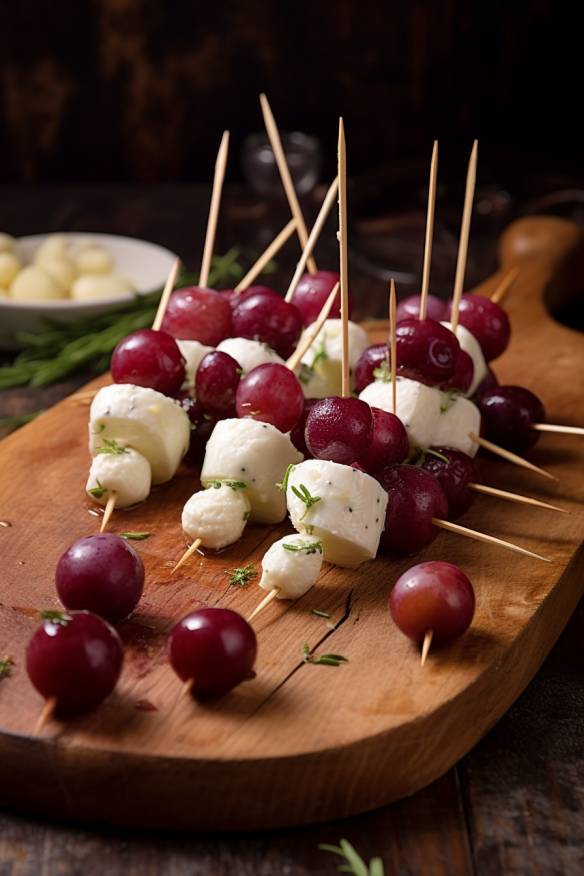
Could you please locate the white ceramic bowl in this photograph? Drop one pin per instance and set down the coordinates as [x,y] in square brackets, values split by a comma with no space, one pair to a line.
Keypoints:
[145,264]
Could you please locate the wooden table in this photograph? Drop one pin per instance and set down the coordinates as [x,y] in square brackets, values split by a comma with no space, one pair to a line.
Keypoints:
[514,805]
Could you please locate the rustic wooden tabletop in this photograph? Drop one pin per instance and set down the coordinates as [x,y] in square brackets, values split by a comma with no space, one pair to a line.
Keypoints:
[514,805]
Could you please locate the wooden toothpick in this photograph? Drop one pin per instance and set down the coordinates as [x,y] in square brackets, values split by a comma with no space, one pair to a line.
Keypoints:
[343,258]
[509,456]
[325,209]
[393,344]
[515,497]
[471,177]
[187,554]
[562,430]
[315,328]
[270,251]
[46,714]
[166,293]
[429,231]
[109,509]
[280,156]
[426,646]
[265,601]
[505,284]
[488,539]
[220,165]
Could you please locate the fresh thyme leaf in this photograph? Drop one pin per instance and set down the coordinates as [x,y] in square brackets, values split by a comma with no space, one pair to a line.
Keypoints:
[305,374]
[6,664]
[242,576]
[320,354]
[303,493]
[383,372]
[97,492]
[448,399]
[235,485]
[112,447]
[307,547]
[12,423]
[284,485]
[354,863]
[135,536]
[56,617]
[320,613]
[322,659]
[308,528]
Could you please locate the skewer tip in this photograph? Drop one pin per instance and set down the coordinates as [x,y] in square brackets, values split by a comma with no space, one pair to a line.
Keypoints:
[46,714]
[426,646]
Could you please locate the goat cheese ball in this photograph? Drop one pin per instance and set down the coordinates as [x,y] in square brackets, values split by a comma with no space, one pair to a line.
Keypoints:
[122,469]
[218,514]
[89,287]
[257,453]
[144,419]
[34,283]
[323,357]
[292,565]
[341,506]
[249,354]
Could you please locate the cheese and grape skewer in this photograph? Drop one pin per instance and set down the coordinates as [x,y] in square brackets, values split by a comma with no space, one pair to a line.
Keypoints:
[290,567]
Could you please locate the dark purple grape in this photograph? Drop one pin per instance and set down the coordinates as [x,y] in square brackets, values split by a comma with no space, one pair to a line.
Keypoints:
[149,358]
[312,292]
[454,472]
[389,444]
[508,414]
[414,498]
[215,648]
[216,383]
[269,319]
[196,314]
[436,308]
[426,351]
[271,393]
[488,322]
[338,429]
[463,375]
[369,361]
[297,436]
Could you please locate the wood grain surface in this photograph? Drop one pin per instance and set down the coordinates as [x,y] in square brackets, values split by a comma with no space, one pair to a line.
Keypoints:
[313,742]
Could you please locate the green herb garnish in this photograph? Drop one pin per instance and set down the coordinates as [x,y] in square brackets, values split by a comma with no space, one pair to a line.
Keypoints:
[307,547]
[112,447]
[135,536]
[303,493]
[56,617]
[305,374]
[284,485]
[97,492]
[320,354]
[235,485]
[6,664]
[353,862]
[429,452]
[449,397]
[322,659]
[383,372]
[319,613]
[242,576]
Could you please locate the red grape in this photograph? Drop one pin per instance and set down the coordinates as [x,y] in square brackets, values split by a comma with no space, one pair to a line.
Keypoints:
[270,319]
[271,393]
[389,442]
[149,358]
[463,375]
[435,309]
[312,292]
[414,498]
[234,297]
[338,429]
[487,321]
[370,359]
[75,658]
[101,573]
[508,414]
[196,314]
[426,351]
[215,648]
[216,383]
[297,436]
[433,596]
[453,472]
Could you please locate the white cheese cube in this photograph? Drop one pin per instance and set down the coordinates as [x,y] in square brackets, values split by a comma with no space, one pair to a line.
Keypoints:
[458,417]
[417,406]
[470,345]
[216,515]
[325,353]
[126,471]
[341,506]
[150,422]
[256,453]
[292,565]
[249,354]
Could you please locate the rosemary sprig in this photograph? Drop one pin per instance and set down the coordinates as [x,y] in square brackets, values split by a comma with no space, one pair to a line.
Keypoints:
[383,372]
[307,547]
[353,862]
[322,659]
[97,492]
[110,446]
[135,536]
[319,613]
[284,485]
[242,576]
[235,485]
[87,343]
[6,664]
[303,493]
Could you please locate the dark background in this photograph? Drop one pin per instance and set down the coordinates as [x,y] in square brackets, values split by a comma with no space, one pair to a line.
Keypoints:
[139,90]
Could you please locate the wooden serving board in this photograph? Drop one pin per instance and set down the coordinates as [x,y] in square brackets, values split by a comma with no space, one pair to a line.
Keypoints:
[300,743]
